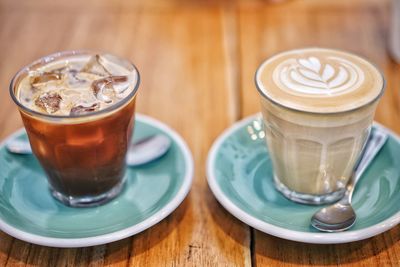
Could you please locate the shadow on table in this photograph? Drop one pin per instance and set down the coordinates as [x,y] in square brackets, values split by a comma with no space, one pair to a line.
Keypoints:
[273,249]
[19,252]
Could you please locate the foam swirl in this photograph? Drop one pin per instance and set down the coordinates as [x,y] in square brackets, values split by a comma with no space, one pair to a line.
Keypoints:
[330,76]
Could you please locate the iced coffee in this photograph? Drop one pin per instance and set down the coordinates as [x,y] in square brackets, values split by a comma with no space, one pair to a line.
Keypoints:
[318,106]
[77,109]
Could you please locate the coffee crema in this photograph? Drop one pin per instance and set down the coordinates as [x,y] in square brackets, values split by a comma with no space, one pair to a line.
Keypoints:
[319,80]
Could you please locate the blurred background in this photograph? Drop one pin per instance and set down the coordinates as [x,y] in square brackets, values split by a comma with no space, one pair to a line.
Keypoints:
[197,60]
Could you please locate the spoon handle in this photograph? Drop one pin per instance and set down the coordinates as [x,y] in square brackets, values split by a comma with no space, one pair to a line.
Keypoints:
[140,152]
[376,140]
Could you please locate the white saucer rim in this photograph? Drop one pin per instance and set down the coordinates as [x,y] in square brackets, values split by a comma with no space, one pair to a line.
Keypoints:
[129,231]
[306,237]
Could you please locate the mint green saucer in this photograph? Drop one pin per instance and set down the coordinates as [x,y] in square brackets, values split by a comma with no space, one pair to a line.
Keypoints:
[28,211]
[239,174]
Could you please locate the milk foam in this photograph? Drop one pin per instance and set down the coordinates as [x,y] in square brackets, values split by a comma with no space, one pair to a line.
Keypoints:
[319,80]
[310,76]
[76,85]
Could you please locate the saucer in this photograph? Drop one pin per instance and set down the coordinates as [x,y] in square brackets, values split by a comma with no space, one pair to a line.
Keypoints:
[239,174]
[152,191]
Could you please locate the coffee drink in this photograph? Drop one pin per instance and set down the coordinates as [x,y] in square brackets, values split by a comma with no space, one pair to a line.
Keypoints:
[77,109]
[318,106]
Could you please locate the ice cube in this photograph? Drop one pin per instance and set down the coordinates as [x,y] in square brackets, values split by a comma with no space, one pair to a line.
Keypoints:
[49,101]
[95,66]
[38,78]
[120,84]
[76,79]
[84,108]
[107,88]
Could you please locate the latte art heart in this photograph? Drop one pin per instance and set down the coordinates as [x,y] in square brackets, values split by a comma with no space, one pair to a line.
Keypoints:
[333,75]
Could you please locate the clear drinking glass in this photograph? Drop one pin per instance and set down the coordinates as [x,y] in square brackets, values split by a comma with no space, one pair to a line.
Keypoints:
[82,155]
[314,152]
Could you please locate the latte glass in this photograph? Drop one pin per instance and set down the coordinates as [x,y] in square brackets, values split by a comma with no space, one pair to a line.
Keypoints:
[318,107]
[78,134]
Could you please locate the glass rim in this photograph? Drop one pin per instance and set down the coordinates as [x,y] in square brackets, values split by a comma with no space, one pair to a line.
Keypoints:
[265,96]
[58,55]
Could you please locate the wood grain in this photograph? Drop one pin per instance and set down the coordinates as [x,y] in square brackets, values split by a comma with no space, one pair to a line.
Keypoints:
[197,60]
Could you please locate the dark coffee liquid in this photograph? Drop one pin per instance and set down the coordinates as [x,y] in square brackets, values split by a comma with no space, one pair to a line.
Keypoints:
[83,159]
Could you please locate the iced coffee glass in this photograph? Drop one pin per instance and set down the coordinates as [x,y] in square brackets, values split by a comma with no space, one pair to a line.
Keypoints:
[318,106]
[77,109]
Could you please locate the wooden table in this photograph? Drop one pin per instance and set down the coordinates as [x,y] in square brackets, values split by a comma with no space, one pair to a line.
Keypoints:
[197,60]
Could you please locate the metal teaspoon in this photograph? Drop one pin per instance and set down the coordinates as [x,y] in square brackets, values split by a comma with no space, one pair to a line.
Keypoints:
[340,216]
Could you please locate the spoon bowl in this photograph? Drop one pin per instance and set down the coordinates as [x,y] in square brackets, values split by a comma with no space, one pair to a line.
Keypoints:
[335,218]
